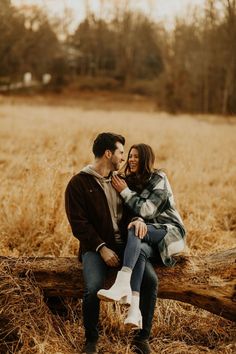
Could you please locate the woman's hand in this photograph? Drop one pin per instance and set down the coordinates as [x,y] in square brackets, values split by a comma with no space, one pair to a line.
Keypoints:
[118,183]
[140,228]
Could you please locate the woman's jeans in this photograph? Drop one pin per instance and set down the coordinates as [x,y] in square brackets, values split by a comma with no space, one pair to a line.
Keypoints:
[95,271]
[138,251]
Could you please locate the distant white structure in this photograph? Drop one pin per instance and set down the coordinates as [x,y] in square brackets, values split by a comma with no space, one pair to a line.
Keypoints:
[27,79]
[46,78]
[35,26]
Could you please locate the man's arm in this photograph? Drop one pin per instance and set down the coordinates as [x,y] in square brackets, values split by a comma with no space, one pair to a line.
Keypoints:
[82,229]
[77,215]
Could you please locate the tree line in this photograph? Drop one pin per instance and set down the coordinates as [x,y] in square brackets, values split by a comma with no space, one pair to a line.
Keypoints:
[191,68]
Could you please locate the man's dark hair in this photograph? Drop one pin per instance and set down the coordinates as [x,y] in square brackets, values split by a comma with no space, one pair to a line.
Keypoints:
[106,141]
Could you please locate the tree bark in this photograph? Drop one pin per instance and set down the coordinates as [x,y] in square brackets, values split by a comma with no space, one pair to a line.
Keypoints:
[207,282]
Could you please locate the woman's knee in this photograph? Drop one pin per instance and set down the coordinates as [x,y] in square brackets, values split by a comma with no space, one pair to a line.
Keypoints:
[133,240]
[146,251]
[131,232]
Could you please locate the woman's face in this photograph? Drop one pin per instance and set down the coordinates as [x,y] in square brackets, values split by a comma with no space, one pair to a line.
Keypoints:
[133,160]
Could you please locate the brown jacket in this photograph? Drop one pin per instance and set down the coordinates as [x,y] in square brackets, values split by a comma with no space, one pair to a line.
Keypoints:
[88,213]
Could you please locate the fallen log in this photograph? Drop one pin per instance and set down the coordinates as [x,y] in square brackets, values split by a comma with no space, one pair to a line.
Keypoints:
[207,282]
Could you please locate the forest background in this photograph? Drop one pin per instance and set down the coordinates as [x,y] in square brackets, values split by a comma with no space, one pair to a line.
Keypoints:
[190,68]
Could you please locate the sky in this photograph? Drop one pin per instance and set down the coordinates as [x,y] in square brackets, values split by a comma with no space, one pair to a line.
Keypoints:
[160,10]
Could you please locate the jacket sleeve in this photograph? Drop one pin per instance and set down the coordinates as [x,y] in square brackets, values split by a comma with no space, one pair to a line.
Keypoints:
[78,217]
[149,203]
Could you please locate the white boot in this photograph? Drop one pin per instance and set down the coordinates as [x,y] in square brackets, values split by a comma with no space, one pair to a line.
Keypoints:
[134,318]
[120,290]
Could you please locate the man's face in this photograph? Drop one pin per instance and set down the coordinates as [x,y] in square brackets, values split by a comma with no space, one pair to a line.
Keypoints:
[117,157]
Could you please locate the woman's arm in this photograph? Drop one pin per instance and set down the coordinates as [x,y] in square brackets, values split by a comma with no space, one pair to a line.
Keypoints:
[149,203]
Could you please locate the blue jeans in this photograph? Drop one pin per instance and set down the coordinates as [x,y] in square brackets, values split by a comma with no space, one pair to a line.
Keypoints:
[95,271]
[138,251]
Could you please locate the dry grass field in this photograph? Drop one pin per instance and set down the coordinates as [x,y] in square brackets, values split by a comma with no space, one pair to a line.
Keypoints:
[42,144]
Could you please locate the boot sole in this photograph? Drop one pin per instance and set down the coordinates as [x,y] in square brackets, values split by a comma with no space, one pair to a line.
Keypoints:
[131,326]
[122,301]
[102,297]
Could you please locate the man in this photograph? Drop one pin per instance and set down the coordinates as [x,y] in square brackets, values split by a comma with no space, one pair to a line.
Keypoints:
[95,212]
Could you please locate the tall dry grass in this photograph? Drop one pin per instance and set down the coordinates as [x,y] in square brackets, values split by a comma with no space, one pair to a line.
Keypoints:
[41,147]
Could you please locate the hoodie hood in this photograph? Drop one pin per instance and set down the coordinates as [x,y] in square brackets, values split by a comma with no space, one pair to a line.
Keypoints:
[89,169]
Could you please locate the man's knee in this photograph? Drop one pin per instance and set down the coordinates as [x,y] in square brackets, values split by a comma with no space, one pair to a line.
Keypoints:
[92,289]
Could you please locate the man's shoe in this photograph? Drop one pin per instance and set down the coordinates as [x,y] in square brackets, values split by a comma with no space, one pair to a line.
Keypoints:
[141,346]
[89,348]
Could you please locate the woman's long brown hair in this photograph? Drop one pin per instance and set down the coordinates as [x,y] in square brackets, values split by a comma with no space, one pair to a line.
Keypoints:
[137,181]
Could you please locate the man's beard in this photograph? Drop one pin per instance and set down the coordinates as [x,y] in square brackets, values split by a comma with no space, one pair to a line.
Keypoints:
[115,165]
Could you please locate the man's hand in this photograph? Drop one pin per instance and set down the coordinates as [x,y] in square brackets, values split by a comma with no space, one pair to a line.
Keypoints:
[118,183]
[109,257]
[140,228]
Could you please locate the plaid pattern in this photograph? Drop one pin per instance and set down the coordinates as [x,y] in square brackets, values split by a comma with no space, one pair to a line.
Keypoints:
[155,204]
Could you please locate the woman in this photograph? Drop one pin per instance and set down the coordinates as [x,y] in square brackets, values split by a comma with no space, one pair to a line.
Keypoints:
[148,196]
